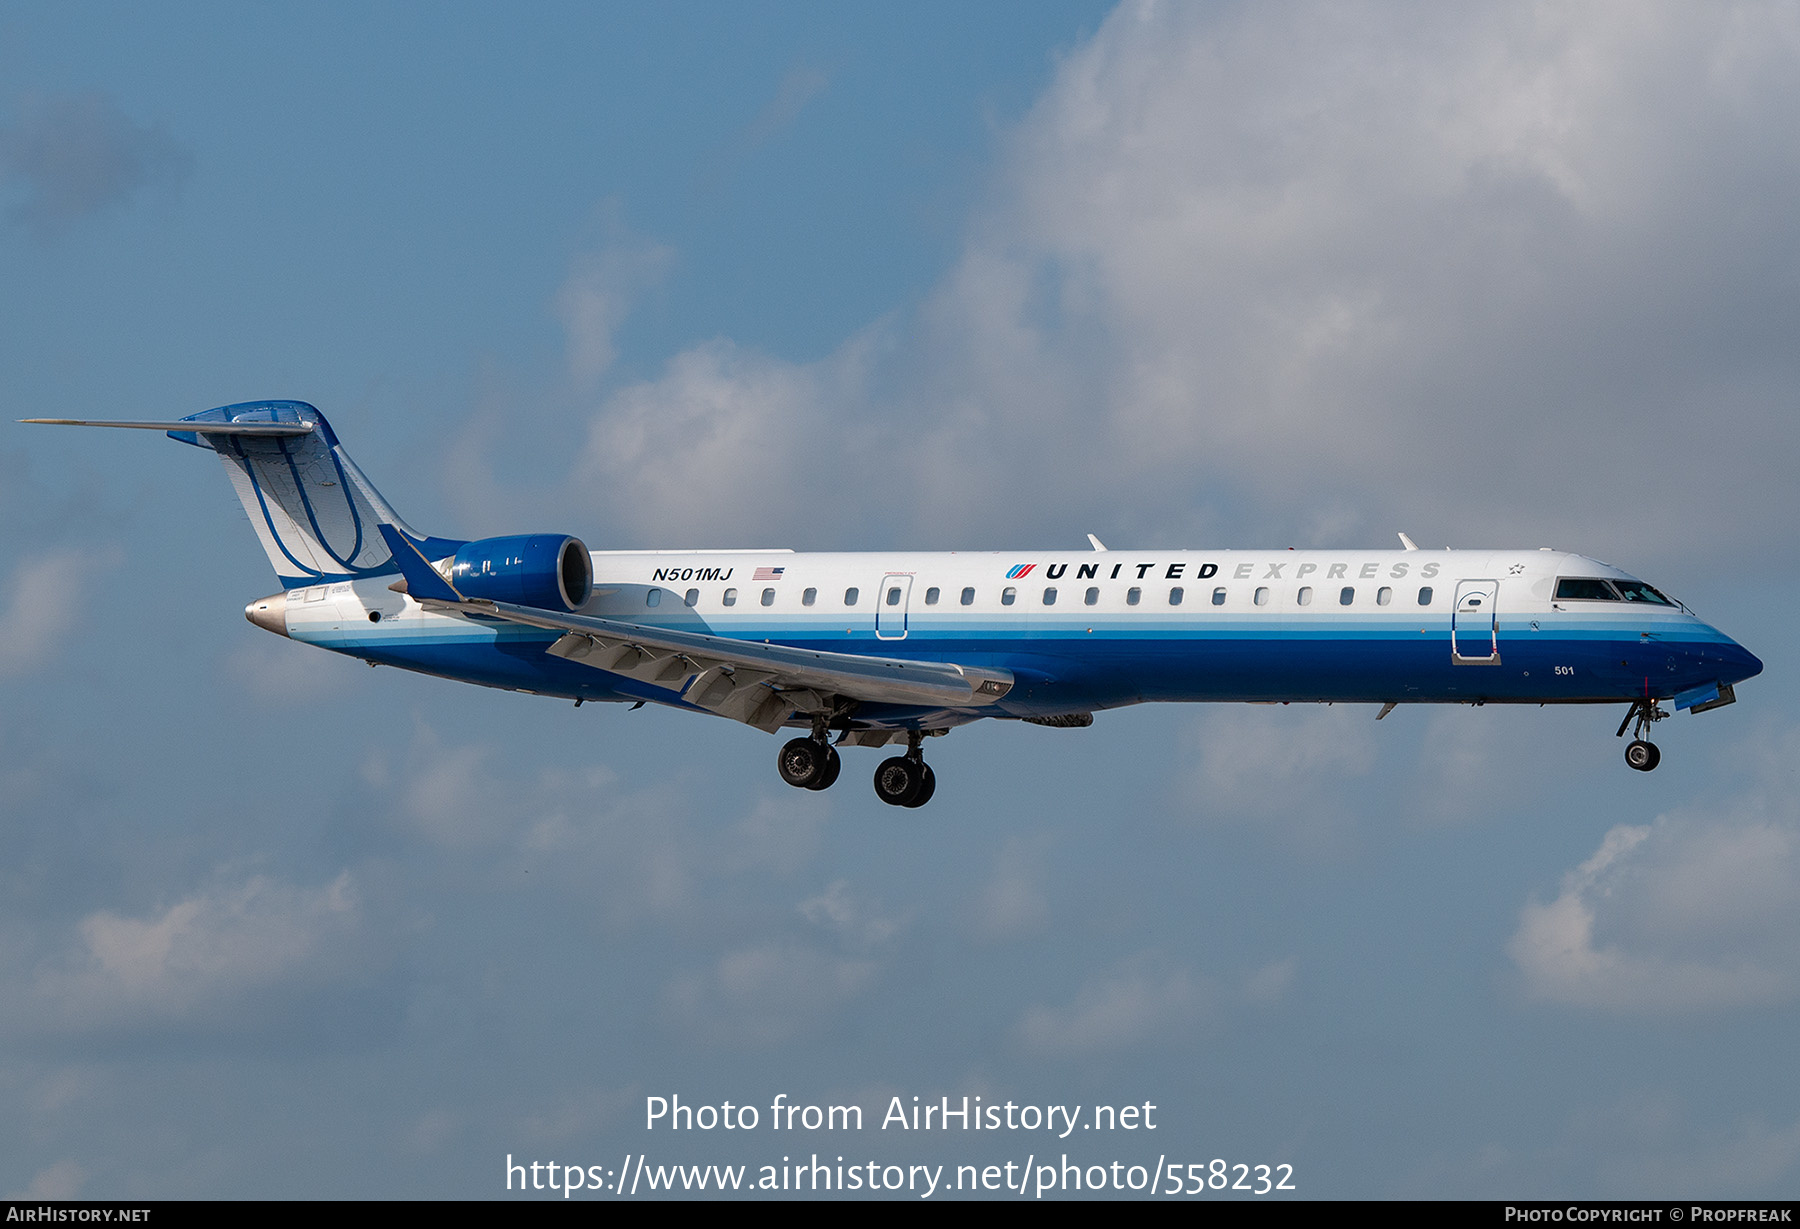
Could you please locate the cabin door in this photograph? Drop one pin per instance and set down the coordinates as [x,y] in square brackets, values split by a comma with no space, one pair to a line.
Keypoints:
[1475,624]
[891,599]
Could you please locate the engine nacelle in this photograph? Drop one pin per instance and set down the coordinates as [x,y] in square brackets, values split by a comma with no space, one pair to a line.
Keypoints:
[551,571]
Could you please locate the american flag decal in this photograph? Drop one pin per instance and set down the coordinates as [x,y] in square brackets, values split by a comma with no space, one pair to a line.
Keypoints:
[767,574]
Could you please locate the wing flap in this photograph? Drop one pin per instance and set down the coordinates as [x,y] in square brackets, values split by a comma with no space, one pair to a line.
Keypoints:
[756,683]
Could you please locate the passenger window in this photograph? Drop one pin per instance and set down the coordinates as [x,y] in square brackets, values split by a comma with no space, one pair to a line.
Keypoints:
[1092,597]
[850,596]
[1425,596]
[731,597]
[693,597]
[931,597]
[1008,596]
[1305,595]
[653,598]
[809,597]
[768,597]
[1346,595]
[1050,596]
[1383,595]
[893,597]
[968,597]
[1262,596]
[1175,596]
[1132,595]
[1218,597]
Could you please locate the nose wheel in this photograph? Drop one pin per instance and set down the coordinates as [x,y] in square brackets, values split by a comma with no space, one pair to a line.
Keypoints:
[1642,756]
[1640,753]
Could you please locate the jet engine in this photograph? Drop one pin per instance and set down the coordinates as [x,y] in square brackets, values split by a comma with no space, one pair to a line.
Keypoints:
[548,570]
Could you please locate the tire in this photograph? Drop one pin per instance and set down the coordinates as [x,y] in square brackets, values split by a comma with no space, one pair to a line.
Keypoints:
[927,786]
[803,763]
[834,764]
[898,781]
[1642,756]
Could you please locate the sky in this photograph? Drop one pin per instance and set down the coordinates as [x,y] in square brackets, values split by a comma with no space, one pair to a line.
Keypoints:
[273,924]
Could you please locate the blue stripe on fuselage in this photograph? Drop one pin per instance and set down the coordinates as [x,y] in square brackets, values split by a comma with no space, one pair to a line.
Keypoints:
[1063,665]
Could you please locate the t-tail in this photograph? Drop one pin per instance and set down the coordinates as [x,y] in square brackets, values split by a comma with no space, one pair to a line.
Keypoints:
[318,517]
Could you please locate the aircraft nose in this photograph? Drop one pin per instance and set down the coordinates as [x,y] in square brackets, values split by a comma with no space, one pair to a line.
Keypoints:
[1738,663]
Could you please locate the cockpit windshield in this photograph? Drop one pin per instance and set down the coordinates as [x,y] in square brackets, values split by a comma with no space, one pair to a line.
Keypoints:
[1598,589]
[1638,591]
[1584,589]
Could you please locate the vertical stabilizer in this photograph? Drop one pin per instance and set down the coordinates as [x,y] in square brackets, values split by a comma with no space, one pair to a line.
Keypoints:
[315,513]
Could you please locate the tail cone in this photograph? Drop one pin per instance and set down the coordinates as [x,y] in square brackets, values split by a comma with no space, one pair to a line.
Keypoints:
[269,613]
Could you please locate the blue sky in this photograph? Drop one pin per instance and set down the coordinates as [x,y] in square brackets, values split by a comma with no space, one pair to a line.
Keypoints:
[275,924]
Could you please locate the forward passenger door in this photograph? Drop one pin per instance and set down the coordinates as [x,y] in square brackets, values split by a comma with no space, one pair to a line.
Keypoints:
[1475,624]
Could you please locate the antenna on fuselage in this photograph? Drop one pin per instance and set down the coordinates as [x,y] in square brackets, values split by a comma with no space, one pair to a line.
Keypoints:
[1098,544]
[1408,543]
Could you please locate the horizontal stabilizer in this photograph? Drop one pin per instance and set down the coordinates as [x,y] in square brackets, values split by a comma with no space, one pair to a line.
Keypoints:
[194,428]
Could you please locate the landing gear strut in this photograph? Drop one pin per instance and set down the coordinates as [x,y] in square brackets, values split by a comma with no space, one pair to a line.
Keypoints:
[1639,753]
[906,780]
[810,763]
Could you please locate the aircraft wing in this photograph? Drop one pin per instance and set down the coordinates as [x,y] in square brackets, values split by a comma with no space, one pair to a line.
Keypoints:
[760,684]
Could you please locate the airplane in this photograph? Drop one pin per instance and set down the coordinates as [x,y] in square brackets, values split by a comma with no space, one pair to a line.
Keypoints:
[885,649]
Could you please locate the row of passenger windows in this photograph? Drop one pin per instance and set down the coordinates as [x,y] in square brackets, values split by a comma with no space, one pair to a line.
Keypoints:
[1133,596]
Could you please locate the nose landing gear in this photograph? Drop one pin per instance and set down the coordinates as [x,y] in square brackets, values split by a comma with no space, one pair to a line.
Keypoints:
[1640,753]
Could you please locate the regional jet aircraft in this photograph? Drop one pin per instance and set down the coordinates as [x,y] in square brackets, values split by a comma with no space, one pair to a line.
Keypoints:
[881,649]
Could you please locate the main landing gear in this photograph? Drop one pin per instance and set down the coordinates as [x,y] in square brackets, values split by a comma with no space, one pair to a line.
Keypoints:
[903,781]
[809,763]
[1639,753]
[906,780]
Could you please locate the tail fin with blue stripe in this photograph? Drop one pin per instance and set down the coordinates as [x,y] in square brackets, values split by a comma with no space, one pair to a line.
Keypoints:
[317,516]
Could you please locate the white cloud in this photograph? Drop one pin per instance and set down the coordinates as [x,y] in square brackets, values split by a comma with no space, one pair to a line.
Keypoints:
[225,954]
[766,993]
[43,603]
[1295,768]
[288,672]
[721,443]
[1697,911]
[1013,902]
[634,857]
[62,1180]
[601,289]
[1307,270]
[857,923]
[1272,983]
[78,155]
[1136,1002]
